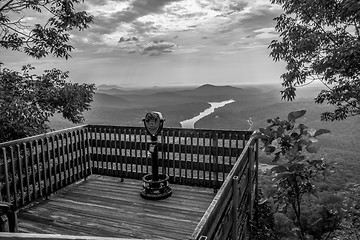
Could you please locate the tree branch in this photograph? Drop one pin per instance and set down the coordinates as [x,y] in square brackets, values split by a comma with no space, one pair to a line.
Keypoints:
[5,5]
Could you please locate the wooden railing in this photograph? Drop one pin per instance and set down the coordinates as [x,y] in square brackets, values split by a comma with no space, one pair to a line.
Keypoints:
[187,156]
[35,167]
[230,214]
[38,166]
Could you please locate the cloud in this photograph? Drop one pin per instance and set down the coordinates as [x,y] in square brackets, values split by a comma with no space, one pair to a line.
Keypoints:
[264,33]
[139,8]
[134,25]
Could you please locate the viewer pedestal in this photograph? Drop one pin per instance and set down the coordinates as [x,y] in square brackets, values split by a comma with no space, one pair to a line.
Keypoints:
[156,186]
[155,190]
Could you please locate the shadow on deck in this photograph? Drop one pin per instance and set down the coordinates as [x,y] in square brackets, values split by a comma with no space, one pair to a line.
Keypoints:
[104,206]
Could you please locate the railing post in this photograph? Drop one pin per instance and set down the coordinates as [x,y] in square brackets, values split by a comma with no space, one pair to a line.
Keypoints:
[256,214]
[235,201]
[8,218]
[216,161]
[250,188]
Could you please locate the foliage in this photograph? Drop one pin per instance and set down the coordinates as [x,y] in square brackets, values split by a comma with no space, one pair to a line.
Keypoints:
[292,147]
[352,208]
[265,225]
[27,101]
[319,41]
[40,40]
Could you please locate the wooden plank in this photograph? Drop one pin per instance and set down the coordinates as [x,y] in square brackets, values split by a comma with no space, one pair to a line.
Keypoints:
[177,164]
[204,159]
[119,158]
[197,156]
[60,163]
[211,170]
[131,155]
[92,208]
[20,174]
[35,236]
[33,174]
[235,233]
[101,150]
[13,175]
[166,147]
[176,131]
[71,158]
[88,159]
[125,151]
[41,136]
[173,154]
[42,149]
[106,156]
[48,160]
[65,158]
[142,152]
[7,183]
[208,224]
[192,157]
[76,156]
[81,156]
[55,164]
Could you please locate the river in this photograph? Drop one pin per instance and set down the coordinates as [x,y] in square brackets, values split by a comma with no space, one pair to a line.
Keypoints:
[190,123]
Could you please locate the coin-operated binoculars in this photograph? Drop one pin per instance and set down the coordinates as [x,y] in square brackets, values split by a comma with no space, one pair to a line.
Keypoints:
[156,185]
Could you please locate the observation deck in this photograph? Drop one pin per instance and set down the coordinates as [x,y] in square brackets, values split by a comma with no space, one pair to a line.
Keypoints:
[85,183]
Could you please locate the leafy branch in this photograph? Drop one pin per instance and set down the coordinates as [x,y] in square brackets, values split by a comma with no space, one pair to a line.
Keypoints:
[292,147]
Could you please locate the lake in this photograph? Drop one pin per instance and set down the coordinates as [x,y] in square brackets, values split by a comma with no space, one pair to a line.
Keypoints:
[190,123]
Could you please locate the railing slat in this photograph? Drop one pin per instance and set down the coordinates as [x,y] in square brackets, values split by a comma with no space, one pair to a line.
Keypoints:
[43,164]
[13,174]
[27,177]
[48,160]
[54,167]
[7,184]
[57,139]
[35,167]
[216,160]
[20,175]
[217,222]
[192,158]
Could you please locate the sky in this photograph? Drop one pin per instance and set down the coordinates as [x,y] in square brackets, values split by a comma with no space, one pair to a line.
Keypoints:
[145,43]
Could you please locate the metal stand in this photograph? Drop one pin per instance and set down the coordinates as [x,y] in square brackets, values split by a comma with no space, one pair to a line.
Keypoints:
[156,186]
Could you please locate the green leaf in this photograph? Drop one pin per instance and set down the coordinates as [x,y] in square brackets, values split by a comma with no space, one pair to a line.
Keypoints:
[280,131]
[283,175]
[311,132]
[296,167]
[279,169]
[316,162]
[321,131]
[277,157]
[312,149]
[313,139]
[295,115]
[259,135]
[270,149]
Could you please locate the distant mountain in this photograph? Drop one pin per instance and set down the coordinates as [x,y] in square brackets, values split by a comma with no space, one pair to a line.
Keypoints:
[217,93]
[112,91]
[207,88]
[107,87]
[106,100]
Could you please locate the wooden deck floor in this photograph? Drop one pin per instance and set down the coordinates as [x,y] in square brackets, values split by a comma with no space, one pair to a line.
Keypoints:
[105,206]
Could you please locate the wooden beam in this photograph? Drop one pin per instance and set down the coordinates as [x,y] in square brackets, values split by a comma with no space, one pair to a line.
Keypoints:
[35,236]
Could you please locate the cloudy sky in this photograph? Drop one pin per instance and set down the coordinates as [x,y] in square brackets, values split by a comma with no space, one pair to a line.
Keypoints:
[169,42]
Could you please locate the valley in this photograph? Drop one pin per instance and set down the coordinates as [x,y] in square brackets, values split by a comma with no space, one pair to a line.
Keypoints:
[113,105]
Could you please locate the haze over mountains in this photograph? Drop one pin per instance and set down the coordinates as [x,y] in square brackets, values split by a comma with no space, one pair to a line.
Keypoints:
[114,105]
[118,106]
